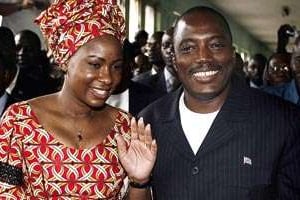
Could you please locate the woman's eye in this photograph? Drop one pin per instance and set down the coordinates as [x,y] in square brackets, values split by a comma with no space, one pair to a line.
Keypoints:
[118,67]
[95,65]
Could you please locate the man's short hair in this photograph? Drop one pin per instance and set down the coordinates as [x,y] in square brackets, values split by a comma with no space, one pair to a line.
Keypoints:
[199,9]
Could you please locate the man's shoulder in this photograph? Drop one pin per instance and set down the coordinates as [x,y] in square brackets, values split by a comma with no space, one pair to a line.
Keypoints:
[143,94]
[141,77]
[271,107]
[161,106]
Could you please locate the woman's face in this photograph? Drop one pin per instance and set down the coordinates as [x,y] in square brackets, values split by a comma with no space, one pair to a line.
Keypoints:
[95,70]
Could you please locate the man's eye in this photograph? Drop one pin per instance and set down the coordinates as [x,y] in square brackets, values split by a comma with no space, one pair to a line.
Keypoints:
[186,49]
[217,45]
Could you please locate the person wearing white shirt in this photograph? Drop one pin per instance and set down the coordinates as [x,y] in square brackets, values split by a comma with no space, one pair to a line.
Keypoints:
[131,96]
[170,75]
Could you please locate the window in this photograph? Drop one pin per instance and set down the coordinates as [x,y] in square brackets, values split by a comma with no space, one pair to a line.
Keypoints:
[149,19]
[134,8]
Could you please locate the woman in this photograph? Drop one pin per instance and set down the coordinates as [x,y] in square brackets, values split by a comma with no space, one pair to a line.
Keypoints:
[71,145]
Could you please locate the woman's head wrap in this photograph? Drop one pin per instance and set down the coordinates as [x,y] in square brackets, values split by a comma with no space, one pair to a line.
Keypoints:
[69,24]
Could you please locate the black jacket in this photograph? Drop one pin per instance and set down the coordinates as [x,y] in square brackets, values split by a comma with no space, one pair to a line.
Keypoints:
[252,150]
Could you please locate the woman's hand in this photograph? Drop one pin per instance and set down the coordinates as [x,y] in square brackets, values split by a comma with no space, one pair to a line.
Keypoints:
[139,158]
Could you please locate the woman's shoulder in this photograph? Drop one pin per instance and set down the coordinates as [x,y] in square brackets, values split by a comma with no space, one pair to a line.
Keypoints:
[17,111]
[18,116]
[121,119]
[42,101]
[119,113]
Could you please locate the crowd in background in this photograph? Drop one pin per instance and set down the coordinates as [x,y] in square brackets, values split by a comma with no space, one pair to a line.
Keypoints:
[148,73]
[33,72]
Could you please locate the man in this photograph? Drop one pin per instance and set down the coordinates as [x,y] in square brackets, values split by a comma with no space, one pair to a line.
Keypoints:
[295,65]
[140,40]
[7,65]
[165,80]
[284,33]
[255,70]
[171,81]
[291,90]
[129,95]
[217,138]
[33,78]
[153,51]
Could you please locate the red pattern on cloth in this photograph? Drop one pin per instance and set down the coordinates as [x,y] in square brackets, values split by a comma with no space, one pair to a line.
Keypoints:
[53,171]
[68,24]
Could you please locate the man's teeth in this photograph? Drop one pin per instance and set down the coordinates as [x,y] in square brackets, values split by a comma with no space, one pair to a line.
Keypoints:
[100,92]
[205,74]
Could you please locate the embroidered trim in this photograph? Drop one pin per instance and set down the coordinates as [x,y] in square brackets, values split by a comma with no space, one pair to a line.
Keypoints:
[10,174]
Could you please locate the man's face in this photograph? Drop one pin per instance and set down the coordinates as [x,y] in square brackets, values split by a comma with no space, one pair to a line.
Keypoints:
[27,50]
[167,49]
[154,50]
[252,69]
[278,70]
[204,56]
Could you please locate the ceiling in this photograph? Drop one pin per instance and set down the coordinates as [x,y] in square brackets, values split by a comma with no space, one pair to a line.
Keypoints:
[261,18]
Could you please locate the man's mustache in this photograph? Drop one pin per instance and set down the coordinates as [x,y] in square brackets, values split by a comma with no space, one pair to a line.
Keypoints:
[204,67]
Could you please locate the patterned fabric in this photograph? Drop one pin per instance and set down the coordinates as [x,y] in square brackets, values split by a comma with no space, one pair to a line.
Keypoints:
[68,24]
[47,169]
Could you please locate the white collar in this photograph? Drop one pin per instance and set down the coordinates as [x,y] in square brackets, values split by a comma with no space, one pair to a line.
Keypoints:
[12,85]
[120,100]
[3,100]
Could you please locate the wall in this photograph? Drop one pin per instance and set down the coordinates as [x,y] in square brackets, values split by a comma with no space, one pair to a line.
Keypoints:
[241,38]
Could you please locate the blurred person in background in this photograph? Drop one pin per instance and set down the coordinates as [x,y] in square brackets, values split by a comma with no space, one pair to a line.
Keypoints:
[153,52]
[255,70]
[8,67]
[33,79]
[278,69]
[20,14]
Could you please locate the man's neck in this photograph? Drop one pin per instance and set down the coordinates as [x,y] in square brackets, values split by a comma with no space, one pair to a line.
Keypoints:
[202,105]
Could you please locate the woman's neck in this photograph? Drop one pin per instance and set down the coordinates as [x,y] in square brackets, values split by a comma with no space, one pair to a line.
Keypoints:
[73,107]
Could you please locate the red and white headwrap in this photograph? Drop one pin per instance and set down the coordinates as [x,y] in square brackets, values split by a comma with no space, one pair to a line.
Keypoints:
[69,24]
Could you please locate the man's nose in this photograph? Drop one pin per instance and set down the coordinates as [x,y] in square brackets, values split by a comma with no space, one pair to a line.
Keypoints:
[204,54]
